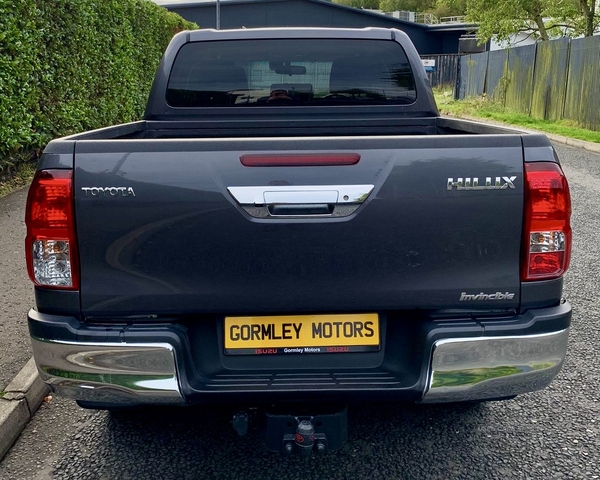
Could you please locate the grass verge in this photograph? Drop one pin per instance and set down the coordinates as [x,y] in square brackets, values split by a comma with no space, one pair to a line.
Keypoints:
[485,108]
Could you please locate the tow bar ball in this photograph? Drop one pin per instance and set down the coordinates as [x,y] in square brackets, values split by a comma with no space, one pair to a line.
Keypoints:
[306,440]
[241,423]
[296,434]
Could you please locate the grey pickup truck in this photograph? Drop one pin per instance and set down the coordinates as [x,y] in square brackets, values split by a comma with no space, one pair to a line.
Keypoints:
[293,227]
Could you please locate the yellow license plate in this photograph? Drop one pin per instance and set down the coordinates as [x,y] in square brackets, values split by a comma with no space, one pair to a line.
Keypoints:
[302,334]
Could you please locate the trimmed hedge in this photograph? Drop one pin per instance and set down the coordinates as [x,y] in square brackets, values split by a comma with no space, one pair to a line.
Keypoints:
[73,65]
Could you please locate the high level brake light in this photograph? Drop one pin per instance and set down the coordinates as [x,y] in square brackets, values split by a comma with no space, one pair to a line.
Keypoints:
[299,159]
[50,247]
[547,222]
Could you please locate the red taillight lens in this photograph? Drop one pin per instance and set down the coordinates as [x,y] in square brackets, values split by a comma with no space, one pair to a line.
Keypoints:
[50,247]
[547,249]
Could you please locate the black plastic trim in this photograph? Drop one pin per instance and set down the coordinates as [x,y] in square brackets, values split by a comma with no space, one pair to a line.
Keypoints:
[547,293]
[57,302]
[536,140]
[50,160]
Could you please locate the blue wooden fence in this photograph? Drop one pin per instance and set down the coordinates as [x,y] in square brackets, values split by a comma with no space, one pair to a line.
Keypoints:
[559,79]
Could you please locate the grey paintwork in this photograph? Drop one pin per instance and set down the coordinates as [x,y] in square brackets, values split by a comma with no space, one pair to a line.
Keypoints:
[182,243]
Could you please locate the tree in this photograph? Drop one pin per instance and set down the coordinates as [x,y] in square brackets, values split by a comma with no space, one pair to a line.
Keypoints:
[542,19]
[359,3]
[454,8]
[406,5]
[588,9]
[503,18]
[440,8]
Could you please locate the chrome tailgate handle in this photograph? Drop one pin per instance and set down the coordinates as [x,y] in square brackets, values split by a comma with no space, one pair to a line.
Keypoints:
[301,200]
[295,197]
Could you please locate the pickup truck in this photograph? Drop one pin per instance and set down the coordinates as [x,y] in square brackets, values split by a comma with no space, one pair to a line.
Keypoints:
[293,227]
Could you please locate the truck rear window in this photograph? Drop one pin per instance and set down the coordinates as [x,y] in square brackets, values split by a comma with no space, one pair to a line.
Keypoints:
[290,72]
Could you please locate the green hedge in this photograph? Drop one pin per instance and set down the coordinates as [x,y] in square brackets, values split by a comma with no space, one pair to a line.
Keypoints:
[73,65]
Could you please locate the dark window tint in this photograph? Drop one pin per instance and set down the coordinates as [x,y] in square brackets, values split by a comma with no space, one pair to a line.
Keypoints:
[288,72]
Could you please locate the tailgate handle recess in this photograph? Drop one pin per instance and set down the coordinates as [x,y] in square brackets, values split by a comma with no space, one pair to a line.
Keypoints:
[285,203]
[301,200]
[301,209]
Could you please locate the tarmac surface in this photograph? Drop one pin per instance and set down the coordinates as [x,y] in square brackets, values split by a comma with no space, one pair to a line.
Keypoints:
[16,291]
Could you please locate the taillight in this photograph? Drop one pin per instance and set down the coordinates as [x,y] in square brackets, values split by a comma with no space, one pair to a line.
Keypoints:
[547,222]
[51,247]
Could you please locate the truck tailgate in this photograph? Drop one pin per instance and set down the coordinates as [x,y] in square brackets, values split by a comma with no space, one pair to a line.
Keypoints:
[161,232]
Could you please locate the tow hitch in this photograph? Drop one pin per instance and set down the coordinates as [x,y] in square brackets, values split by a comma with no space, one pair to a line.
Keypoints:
[302,433]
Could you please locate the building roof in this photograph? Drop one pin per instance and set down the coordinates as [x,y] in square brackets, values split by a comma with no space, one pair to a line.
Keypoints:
[438,28]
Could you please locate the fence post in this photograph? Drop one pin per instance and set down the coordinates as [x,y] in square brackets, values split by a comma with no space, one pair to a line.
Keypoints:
[564,102]
[533,76]
[457,83]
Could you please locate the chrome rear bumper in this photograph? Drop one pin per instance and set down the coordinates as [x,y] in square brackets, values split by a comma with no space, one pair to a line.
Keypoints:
[110,373]
[480,368]
[134,372]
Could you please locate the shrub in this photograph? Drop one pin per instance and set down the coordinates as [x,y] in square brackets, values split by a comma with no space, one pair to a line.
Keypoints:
[73,65]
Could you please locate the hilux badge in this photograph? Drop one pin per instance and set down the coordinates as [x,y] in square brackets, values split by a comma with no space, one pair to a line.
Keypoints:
[468,183]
